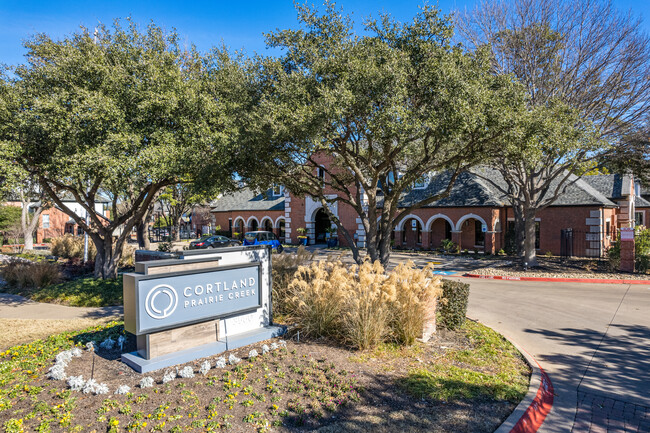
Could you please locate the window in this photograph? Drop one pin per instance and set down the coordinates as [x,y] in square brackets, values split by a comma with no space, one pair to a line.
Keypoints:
[46,221]
[421,183]
[536,235]
[321,174]
[278,190]
[638,219]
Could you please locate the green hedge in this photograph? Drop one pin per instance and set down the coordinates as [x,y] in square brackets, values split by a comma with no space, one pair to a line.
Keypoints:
[453,306]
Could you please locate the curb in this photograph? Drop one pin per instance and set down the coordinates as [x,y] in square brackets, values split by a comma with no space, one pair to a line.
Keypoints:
[531,412]
[557,280]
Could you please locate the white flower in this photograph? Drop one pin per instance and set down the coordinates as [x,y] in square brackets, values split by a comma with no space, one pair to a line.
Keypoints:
[274,346]
[76,383]
[146,382]
[265,349]
[186,372]
[57,372]
[90,386]
[169,376]
[107,344]
[221,362]
[101,388]
[91,345]
[64,357]
[253,354]
[76,352]
[205,367]
[232,359]
[120,342]
[123,389]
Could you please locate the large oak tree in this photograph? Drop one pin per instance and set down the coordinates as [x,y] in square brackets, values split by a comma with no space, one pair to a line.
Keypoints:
[122,112]
[384,108]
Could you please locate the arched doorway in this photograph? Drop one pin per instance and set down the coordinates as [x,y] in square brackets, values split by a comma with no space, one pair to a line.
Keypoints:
[472,236]
[253,225]
[281,230]
[440,229]
[238,230]
[268,225]
[321,224]
[412,233]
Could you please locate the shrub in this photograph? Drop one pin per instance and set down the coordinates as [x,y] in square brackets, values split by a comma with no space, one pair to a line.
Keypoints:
[283,269]
[641,251]
[448,246]
[361,306]
[31,274]
[70,247]
[453,305]
[165,247]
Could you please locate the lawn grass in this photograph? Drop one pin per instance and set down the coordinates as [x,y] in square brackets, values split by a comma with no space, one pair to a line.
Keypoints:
[489,368]
[18,331]
[80,292]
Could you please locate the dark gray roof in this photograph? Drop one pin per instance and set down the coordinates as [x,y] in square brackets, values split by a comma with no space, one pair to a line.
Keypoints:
[477,188]
[612,186]
[641,202]
[247,199]
[468,190]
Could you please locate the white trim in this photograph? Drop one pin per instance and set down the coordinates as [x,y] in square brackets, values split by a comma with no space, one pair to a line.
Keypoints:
[408,217]
[234,224]
[464,218]
[277,222]
[264,219]
[438,216]
[252,218]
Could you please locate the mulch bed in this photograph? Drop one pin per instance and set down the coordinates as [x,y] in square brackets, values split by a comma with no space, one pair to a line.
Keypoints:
[555,267]
[307,386]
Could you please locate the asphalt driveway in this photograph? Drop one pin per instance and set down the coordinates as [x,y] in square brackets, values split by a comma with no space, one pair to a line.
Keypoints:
[592,339]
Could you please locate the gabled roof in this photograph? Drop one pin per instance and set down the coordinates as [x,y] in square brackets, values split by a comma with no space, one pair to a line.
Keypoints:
[640,202]
[613,186]
[247,199]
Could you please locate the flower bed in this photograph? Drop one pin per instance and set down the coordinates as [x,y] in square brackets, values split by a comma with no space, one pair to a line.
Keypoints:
[302,386]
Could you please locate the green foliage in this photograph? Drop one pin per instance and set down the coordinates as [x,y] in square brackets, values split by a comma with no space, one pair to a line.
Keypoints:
[641,251]
[453,304]
[399,96]
[448,246]
[123,110]
[490,369]
[9,217]
[165,247]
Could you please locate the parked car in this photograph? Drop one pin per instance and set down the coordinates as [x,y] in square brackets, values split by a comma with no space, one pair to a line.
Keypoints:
[263,238]
[213,242]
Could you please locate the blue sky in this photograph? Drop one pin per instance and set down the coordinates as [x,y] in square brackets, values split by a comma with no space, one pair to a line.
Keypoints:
[205,23]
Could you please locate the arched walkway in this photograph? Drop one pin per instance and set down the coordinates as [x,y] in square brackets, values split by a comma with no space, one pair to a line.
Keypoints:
[238,228]
[280,229]
[472,235]
[439,229]
[253,224]
[412,233]
[321,225]
[267,224]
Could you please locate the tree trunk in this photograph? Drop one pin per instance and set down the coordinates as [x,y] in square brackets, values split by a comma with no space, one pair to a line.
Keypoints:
[108,255]
[384,247]
[530,255]
[520,232]
[28,226]
[142,234]
[177,229]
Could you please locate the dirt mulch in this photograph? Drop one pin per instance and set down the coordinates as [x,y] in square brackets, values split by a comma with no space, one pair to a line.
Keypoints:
[555,267]
[322,387]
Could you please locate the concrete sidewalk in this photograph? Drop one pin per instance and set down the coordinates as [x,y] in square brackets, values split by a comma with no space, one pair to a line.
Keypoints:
[18,307]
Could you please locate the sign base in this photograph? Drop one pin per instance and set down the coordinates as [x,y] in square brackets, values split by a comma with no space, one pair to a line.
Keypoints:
[142,365]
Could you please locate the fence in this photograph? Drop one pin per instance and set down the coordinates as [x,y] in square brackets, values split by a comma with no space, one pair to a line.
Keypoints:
[583,243]
[162,234]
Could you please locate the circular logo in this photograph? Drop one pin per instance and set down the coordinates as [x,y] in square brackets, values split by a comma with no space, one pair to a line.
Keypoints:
[150,302]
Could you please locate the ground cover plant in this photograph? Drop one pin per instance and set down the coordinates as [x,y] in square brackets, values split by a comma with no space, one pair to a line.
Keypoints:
[79,292]
[269,386]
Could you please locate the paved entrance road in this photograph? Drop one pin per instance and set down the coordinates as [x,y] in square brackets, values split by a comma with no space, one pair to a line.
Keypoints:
[592,339]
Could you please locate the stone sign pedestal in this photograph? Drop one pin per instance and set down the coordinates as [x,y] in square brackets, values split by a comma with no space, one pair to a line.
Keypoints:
[199,305]
[627,250]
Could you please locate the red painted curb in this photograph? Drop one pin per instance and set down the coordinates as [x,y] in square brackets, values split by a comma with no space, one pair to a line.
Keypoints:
[541,405]
[558,280]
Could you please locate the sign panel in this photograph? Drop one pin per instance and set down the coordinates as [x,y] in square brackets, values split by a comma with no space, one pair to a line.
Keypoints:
[170,300]
[483,228]
[627,234]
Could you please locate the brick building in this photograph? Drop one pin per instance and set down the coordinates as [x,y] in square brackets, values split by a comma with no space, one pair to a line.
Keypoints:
[475,216]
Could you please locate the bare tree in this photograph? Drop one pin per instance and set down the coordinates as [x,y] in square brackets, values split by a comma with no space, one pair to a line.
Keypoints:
[569,55]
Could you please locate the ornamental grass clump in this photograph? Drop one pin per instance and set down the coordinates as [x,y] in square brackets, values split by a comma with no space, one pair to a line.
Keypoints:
[283,269]
[31,274]
[362,306]
[416,297]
